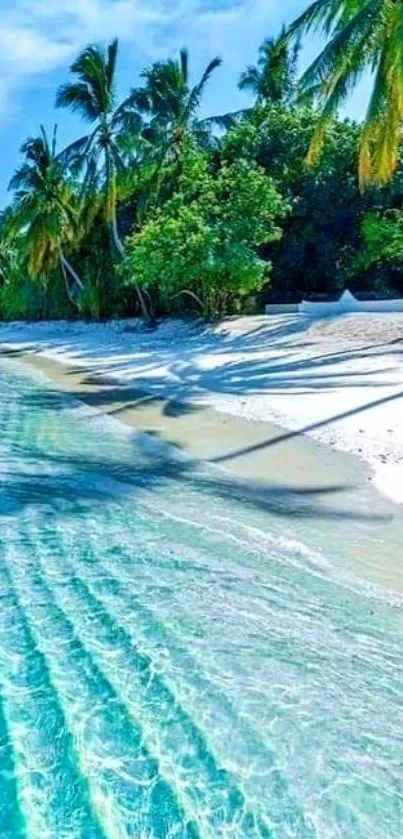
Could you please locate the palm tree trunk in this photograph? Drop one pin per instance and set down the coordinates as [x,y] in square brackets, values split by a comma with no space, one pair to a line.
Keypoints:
[70,270]
[64,267]
[122,254]
[113,226]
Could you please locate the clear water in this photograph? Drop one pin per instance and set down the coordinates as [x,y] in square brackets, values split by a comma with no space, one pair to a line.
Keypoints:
[173,664]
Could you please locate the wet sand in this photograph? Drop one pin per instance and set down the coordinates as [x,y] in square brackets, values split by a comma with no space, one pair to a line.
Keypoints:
[261,460]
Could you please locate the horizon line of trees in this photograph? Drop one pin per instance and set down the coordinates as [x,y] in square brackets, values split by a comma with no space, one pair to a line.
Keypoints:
[155,210]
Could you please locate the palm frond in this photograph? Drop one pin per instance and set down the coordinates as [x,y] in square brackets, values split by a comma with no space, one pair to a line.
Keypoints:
[325,15]
[54,140]
[78,97]
[24,178]
[110,69]
[184,64]
[92,90]
[383,124]
[75,151]
[127,118]
[249,79]
[211,67]
[225,121]
[348,48]
[272,80]
[139,100]
[196,93]
[365,36]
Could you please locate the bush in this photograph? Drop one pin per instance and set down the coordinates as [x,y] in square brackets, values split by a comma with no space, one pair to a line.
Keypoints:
[203,242]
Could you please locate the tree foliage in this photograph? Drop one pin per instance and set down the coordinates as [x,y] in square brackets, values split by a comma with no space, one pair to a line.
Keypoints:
[272,78]
[169,104]
[380,255]
[44,219]
[158,208]
[323,227]
[362,36]
[203,243]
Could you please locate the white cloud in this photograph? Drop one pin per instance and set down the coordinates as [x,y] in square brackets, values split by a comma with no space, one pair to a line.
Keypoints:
[25,51]
[39,36]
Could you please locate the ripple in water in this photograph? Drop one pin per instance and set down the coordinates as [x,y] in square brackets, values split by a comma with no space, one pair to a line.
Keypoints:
[172,667]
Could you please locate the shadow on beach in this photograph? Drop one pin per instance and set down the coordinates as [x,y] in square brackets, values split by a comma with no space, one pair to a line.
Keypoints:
[75,476]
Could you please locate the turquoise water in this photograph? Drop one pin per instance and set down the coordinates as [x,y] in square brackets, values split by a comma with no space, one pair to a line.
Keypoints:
[173,664]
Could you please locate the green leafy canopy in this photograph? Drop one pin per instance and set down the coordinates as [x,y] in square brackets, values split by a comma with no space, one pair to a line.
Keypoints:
[205,239]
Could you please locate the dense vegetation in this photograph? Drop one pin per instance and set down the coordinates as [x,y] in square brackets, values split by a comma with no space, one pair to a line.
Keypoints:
[156,210]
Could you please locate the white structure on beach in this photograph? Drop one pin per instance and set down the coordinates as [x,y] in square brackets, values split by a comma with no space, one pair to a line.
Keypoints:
[347,303]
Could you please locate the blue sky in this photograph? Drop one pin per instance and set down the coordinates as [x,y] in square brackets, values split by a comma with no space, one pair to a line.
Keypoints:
[39,39]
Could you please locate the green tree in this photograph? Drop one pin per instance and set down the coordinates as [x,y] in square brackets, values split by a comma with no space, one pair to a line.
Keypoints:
[363,36]
[273,78]
[323,227]
[203,243]
[44,218]
[92,93]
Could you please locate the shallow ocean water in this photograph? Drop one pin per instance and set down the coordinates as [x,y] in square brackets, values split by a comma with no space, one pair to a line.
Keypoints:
[172,662]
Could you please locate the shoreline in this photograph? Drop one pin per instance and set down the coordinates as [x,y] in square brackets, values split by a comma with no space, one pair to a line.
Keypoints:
[278,468]
[338,381]
[250,449]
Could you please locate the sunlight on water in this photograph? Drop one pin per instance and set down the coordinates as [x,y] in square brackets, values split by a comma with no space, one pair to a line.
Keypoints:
[171,664]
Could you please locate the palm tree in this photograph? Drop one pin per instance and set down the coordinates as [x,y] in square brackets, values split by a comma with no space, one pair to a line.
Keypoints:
[43,220]
[272,79]
[92,93]
[169,104]
[363,35]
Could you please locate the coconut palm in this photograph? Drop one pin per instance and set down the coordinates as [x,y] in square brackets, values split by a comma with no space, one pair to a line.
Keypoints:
[272,79]
[44,220]
[92,93]
[169,104]
[363,35]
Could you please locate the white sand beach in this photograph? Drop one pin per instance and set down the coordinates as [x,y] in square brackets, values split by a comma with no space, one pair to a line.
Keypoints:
[339,380]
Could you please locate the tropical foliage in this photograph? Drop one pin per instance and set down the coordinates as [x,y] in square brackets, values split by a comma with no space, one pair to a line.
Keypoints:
[363,36]
[45,215]
[202,244]
[272,78]
[169,104]
[159,208]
